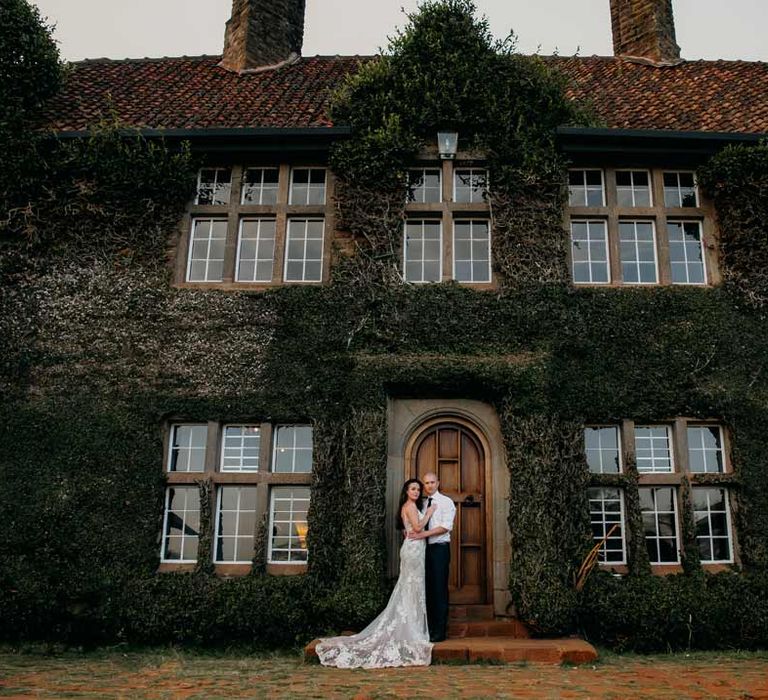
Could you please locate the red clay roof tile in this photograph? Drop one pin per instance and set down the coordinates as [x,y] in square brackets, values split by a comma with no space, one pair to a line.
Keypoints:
[195,93]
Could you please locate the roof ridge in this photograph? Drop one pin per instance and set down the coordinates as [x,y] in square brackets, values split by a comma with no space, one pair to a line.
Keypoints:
[204,57]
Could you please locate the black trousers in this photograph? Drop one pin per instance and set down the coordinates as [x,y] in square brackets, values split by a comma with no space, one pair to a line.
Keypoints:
[437,565]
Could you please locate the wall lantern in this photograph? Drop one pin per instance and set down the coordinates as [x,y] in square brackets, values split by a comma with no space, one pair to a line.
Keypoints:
[447,144]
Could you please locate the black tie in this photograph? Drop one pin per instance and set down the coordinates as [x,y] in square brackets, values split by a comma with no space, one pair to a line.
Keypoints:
[429,501]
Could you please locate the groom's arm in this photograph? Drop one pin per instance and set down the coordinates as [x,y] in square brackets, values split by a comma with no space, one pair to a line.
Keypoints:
[427,533]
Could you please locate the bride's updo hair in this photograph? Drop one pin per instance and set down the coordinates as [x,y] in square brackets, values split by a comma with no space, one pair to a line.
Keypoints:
[404,500]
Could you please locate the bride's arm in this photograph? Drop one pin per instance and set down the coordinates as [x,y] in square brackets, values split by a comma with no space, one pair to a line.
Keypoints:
[412,515]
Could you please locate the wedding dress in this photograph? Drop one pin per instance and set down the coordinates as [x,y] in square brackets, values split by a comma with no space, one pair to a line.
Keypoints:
[399,635]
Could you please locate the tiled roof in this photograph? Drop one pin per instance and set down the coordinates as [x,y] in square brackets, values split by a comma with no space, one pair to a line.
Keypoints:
[195,93]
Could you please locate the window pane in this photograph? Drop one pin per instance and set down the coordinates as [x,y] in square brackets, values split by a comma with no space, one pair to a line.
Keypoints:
[288,524]
[241,448]
[585,188]
[653,448]
[633,188]
[182,517]
[638,252]
[260,186]
[602,448]
[705,449]
[304,250]
[187,448]
[236,519]
[470,185]
[607,516]
[307,186]
[686,252]
[589,251]
[424,186]
[206,250]
[423,251]
[712,518]
[293,449]
[471,250]
[214,186]
[659,512]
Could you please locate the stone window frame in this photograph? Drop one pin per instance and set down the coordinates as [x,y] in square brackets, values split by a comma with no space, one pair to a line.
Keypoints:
[236,212]
[447,211]
[676,479]
[658,213]
[264,480]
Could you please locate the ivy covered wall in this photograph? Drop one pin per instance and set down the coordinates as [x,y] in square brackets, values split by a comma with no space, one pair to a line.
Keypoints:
[98,350]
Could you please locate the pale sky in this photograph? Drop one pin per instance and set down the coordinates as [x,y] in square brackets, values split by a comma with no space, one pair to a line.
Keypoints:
[136,28]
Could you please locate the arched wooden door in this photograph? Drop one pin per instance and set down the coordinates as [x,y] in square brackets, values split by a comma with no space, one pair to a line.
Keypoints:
[453,452]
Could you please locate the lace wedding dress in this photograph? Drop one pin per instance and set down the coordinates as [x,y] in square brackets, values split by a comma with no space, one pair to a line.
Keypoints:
[399,635]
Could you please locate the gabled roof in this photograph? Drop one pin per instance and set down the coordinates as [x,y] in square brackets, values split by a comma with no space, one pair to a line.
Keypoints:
[196,93]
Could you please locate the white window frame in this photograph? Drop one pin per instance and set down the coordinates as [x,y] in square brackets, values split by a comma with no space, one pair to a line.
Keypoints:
[679,190]
[306,220]
[722,446]
[702,247]
[230,470]
[633,188]
[618,446]
[670,444]
[263,169]
[259,219]
[422,221]
[164,538]
[656,512]
[584,172]
[275,432]
[604,224]
[622,525]
[219,497]
[172,433]
[728,522]
[210,220]
[272,491]
[636,262]
[325,186]
[422,171]
[472,171]
[471,223]
[217,170]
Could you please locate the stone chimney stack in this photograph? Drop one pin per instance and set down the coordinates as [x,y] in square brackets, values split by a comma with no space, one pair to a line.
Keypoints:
[263,34]
[644,29]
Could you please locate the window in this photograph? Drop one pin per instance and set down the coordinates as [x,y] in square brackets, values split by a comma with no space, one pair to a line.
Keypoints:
[659,510]
[188,445]
[423,251]
[260,475]
[448,237]
[293,449]
[260,185]
[686,252]
[589,252]
[424,185]
[668,457]
[206,250]
[705,449]
[602,449]
[606,510]
[256,226]
[288,525]
[241,450]
[638,252]
[680,190]
[585,188]
[308,186]
[712,519]
[470,185]
[214,186]
[471,251]
[256,250]
[640,227]
[181,524]
[304,250]
[652,448]
[235,524]
[633,188]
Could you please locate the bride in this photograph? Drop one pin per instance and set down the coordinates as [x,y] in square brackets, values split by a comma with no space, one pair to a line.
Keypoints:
[399,635]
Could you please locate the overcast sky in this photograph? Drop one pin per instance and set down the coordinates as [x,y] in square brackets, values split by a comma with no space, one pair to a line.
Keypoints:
[136,28]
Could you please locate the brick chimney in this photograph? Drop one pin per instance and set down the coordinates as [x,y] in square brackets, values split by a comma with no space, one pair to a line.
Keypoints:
[263,34]
[644,29]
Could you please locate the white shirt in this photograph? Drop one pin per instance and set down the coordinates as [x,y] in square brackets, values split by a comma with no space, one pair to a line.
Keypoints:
[442,517]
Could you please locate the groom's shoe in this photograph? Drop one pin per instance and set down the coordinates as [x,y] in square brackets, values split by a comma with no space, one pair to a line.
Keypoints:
[436,639]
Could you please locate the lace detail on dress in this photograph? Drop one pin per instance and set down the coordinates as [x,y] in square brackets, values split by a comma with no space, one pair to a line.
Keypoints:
[399,635]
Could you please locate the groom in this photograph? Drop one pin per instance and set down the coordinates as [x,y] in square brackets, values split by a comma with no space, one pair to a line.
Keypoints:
[438,556]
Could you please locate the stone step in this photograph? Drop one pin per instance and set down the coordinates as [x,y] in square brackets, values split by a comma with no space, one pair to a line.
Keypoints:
[504,650]
[465,613]
[488,628]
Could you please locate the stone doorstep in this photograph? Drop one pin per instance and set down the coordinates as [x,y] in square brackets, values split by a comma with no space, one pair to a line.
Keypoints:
[488,628]
[504,650]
